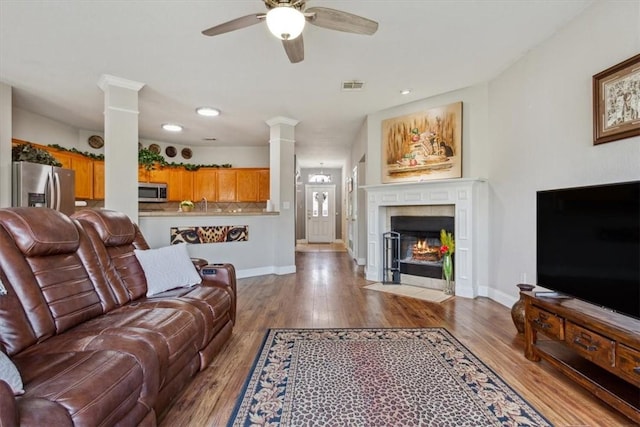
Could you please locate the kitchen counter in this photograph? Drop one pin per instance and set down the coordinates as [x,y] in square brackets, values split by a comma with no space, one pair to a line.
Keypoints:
[212,212]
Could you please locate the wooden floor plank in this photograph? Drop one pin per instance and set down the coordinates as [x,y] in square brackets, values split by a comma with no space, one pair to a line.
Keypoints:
[327,292]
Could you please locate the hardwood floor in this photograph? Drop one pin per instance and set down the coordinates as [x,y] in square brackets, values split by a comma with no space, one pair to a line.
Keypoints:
[320,247]
[326,292]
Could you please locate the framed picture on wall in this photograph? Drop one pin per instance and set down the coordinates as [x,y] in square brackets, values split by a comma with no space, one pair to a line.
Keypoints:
[616,102]
[423,146]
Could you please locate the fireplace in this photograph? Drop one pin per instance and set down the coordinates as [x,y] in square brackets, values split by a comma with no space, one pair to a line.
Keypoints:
[468,201]
[419,248]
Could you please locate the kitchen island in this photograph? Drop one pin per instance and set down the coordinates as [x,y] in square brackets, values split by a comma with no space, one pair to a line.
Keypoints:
[254,257]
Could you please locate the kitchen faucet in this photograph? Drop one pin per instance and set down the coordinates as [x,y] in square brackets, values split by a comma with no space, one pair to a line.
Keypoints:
[203,204]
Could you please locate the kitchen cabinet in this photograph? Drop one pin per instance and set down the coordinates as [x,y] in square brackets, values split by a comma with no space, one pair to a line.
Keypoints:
[264,185]
[205,182]
[231,185]
[98,180]
[143,174]
[227,185]
[252,185]
[179,181]
[159,174]
[83,166]
[247,185]
[180,185]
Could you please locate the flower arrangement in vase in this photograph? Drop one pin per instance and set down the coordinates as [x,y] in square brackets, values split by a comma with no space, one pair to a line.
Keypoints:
[447,248]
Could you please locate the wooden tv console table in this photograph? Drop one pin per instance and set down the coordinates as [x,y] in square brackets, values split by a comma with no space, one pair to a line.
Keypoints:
[595,347]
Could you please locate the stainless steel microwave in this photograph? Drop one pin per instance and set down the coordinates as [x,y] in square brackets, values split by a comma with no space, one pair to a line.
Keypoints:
[152,192]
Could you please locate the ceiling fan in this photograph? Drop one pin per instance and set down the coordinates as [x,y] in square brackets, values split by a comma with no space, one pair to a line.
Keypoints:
[286,20]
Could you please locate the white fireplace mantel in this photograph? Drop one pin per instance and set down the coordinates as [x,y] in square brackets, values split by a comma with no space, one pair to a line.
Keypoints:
[470,198]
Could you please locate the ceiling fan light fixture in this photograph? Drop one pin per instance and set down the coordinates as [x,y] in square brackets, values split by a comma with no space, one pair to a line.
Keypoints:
[285,22]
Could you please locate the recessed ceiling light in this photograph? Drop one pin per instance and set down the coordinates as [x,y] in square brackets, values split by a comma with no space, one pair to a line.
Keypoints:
[405,91]
[208,111]
[171,127]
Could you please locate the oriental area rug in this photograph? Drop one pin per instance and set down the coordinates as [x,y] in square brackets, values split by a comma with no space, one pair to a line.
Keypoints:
[375,377]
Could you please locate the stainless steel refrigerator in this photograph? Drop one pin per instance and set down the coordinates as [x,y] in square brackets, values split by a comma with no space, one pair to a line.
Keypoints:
[43,186]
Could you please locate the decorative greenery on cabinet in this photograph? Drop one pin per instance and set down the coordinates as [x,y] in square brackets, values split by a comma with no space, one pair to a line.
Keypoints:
[28,153]
[146,158]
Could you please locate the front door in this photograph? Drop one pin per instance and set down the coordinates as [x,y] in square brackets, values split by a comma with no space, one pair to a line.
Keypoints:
[321,215]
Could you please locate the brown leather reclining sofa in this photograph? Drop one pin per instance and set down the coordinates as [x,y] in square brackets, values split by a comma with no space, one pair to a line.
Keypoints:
[90,347]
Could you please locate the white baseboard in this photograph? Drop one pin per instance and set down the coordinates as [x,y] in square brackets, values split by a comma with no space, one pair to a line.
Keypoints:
[288,269]
[264,271]
[361,261]
[501,297]
[303,241]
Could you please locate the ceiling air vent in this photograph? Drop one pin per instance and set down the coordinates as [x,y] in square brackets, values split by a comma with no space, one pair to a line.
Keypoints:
[352,85]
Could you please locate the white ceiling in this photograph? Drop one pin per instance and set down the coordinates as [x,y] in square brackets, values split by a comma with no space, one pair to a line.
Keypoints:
[54,52]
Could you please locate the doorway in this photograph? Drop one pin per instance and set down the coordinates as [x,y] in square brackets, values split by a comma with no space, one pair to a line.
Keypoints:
[321,215]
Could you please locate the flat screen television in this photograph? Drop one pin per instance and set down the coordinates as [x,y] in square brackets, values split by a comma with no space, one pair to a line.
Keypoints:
[588,244]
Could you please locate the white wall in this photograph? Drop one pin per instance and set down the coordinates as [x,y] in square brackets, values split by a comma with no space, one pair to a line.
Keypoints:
[541,133]
[358,197]
[42,130]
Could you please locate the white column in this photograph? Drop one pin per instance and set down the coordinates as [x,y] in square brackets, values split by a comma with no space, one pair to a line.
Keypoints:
[121,144]
[282,190]
[5,144]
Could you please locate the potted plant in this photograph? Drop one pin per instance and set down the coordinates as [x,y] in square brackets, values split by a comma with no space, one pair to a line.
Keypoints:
[447,248]
[186,206]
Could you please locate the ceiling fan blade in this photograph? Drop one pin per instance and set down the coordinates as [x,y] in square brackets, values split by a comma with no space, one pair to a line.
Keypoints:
[340,21]
[235,24]
[294,49]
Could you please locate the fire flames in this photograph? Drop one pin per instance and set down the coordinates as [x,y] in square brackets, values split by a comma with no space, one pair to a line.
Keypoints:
[423,252]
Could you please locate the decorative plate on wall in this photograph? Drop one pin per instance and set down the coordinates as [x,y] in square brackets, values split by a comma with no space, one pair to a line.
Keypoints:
[95,141]
[154,148]
[171,151]
[186,153]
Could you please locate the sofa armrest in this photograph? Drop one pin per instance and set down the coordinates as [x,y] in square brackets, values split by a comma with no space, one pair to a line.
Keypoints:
[8,406]
[199,263]
[222,276]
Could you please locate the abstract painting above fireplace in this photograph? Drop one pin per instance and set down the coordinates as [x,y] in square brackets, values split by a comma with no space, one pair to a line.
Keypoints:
[423,146]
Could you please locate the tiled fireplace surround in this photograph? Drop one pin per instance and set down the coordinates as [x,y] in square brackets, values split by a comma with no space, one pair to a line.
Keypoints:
[467,196]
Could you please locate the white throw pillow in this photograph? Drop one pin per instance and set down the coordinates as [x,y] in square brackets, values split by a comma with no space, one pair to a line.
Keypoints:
[9,374]
[167,268]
